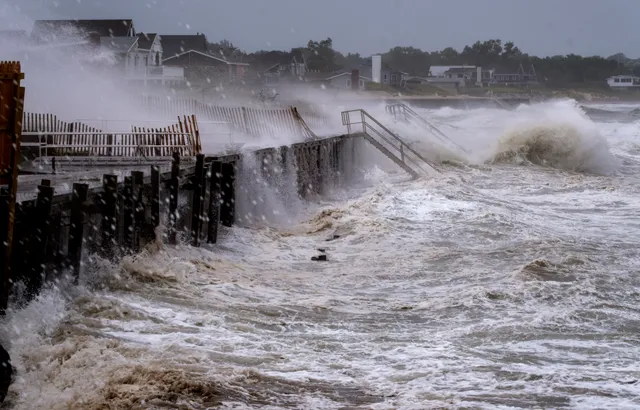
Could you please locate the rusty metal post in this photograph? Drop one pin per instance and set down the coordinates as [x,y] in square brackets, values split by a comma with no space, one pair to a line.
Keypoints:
[11,108]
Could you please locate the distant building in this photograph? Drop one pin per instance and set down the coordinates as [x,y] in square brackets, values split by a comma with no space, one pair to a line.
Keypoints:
[441,70]
[175,45]
[463,72]
[190,53]
[486,76]
[517,79]
[291,67]
[622,82]
[340,80]
[398,78]
[140,59]
[368,70]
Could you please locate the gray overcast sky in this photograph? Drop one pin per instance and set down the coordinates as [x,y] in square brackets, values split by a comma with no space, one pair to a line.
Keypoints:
[541,27]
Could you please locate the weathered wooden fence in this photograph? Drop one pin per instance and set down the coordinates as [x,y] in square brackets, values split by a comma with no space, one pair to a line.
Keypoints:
[251,121]
[45,135]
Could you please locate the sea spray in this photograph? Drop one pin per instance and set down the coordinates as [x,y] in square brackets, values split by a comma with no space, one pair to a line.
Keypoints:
[554,134]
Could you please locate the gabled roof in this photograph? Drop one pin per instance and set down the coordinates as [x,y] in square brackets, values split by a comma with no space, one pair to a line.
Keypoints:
[346,73]
[300,55]
[206,55]
[118,44]
[439,70]
[455,70]
[173,45]
[145,40]
[57,30]
[317,76]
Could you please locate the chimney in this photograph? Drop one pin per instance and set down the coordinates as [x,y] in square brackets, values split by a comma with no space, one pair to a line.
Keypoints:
[376,68]
[355,79]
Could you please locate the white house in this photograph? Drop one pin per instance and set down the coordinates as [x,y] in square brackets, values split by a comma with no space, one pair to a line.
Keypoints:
[141,60]
[621,82]
[341,80]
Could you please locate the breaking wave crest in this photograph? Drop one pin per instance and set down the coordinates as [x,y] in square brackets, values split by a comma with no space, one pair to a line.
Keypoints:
[559,145]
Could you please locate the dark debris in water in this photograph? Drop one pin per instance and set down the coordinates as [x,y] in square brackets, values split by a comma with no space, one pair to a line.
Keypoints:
[544,270]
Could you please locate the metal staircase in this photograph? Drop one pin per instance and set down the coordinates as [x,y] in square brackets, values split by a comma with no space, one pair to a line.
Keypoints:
[387,142]
[405,113]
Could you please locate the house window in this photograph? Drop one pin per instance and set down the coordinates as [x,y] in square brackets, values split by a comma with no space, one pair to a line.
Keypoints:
[348,83]
[385,77]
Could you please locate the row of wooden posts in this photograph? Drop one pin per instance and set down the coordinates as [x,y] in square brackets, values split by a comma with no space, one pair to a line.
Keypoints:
[129,214]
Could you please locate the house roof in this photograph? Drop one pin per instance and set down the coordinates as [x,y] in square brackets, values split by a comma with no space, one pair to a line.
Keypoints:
[439,70]
[301,55]
[364,77]
[118,44]
[456,70]
[173,45]
[316,76]
[206,55]
[56,30]
[145,40]
[623,76]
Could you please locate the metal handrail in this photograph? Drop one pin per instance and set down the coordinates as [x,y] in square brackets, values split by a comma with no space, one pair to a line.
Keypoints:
[403,155]
[411,114]
[346,120]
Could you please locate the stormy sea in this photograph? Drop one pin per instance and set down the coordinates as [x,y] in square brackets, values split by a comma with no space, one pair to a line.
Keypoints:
[509,280]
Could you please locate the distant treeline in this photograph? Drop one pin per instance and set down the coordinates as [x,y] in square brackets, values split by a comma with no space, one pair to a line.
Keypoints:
[558,71]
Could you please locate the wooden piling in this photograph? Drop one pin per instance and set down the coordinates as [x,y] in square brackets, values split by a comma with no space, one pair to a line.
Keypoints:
[76,229]
[319,177]
[228,206]
[173,197]
[42,225]
[109,213]
[128,211]
[214,201]
[11,114]
[137,183]
[197,200]
[155,197]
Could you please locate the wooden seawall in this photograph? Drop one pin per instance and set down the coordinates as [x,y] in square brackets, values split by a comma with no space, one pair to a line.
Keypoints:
[119,216]
[121,190]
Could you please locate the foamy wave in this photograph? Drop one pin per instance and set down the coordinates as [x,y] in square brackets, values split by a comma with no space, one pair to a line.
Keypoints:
[556,145]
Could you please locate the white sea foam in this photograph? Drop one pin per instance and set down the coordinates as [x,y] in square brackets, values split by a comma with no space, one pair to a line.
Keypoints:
[494,285]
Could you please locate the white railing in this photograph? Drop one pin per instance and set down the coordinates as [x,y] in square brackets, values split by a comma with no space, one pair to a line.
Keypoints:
[408,114]
[388,142]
